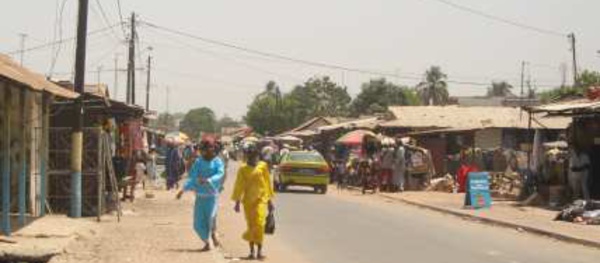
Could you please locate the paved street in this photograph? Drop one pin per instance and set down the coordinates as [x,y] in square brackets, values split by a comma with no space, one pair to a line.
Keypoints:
[337,227]
[345,228]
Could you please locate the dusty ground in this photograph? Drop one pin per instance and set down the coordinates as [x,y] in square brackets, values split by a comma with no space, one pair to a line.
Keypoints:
[151,230]
[160,230]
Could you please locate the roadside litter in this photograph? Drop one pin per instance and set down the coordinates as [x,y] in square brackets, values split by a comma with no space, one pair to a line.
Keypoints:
[582,212]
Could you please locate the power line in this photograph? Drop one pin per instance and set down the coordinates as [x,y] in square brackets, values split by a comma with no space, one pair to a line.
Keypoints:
[121,18]
[501,19]
[277,56]
[307,62]
[105,17]
[57,33]
[63,40]
[229,59]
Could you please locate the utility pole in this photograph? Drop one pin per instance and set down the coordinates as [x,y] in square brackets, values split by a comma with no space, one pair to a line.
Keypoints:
[77,133]
[522,76]
[131,64]
[148,84]
[168,114]
[99,77]
[574,51]
[116,84]
[23,37]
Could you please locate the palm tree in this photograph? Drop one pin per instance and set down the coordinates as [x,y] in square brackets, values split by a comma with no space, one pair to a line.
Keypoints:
[434,90]
[500,89]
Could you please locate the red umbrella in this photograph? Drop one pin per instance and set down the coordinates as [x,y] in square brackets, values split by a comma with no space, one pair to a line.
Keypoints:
[355,137]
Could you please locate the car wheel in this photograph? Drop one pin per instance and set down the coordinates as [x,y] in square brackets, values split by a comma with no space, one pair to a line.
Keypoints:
[282,188]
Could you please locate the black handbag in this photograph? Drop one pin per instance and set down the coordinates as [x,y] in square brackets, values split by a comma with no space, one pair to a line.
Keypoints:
[270,225]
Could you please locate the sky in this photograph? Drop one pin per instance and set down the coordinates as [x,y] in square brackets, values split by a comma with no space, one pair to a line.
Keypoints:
[398,37]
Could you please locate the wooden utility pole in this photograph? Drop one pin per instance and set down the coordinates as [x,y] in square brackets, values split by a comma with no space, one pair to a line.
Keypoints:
[77,133]
[131,64]
[148,83]
[574,52]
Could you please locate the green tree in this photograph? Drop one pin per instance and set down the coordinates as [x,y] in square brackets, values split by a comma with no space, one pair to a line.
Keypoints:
[319,96]
[434,90]
[500,89]
[198,120]
[378,94]
[587,79]
[266,114]
[273,112]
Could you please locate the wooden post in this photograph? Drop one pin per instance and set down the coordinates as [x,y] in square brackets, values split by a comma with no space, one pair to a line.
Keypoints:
[100,175]
[22,191]
[6,229]
[43,152]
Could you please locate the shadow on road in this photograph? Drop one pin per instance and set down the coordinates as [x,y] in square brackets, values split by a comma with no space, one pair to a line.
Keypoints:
[298,191]
[186,250]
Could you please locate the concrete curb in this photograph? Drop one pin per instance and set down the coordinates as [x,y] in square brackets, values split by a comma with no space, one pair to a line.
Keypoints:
[497,222]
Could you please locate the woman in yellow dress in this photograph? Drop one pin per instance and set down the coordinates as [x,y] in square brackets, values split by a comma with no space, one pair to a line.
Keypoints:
[254,190]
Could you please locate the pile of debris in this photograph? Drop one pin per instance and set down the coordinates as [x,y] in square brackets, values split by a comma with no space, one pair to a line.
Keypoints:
[582,212]
[442,184]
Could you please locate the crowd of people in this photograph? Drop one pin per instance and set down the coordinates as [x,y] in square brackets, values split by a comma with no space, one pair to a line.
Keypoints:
[380,165]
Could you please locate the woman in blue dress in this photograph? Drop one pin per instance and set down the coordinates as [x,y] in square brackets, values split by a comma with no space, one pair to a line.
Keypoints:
[205,179]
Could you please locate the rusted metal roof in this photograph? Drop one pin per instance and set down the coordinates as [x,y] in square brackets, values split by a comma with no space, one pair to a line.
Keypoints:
[438,117]
[368,123]
[573,107]
[11,70]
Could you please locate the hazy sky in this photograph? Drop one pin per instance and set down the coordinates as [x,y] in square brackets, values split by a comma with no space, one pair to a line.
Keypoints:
[401,37]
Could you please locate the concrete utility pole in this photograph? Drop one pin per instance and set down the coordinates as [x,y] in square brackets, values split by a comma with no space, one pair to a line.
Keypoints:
[131,64]
[148,83]
[77,133]
[23,38]
[574,52]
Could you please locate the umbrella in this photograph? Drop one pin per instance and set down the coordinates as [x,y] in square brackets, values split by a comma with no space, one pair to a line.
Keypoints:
[178,137]
[355,137]
[250,139]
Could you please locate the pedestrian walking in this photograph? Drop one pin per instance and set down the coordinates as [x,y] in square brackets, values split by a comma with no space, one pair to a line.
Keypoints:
[174,165]
[253,188]
[205,177]
[399,167]
[151,165]
[140,172]
[579,166]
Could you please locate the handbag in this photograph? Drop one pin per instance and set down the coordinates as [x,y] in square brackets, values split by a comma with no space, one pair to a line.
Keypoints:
[270,225]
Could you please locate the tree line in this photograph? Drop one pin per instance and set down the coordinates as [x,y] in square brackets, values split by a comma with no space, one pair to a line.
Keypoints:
[273,111]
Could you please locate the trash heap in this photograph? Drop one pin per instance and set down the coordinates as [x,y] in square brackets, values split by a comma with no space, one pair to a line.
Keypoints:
[581,212]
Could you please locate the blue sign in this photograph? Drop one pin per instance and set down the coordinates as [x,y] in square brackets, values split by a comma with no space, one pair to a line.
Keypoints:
[478,190]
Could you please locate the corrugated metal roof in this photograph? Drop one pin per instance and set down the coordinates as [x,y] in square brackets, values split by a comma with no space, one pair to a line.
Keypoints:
[11,70]
[569,107]
[368,123]
[469,118]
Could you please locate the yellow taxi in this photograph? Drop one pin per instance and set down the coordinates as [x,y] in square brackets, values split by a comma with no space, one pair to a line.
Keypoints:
[303,168]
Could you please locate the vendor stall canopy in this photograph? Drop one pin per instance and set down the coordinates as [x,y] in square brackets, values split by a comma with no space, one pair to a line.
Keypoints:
[9,69]
[459,117]
[355,137]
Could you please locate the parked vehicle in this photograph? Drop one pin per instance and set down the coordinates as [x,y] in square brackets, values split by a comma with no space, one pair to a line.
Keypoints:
[303,168]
